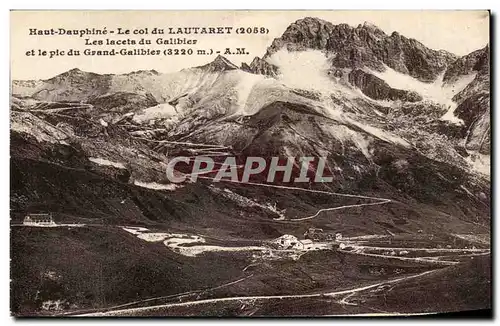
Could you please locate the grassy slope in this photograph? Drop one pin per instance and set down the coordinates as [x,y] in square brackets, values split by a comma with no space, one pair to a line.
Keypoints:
[457,288]
[461,287]
[103,266]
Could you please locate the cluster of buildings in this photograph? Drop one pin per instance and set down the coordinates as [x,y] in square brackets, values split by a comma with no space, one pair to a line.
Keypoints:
[314,239]
[290,242]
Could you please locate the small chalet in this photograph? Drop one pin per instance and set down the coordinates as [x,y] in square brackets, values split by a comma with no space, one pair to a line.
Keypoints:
[39,220]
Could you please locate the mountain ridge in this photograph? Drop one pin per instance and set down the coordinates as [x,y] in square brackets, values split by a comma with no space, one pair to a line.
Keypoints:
[364,56]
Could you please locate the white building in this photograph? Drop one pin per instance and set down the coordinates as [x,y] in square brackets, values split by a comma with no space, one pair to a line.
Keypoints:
[307,244]
[44,220]
[288,241]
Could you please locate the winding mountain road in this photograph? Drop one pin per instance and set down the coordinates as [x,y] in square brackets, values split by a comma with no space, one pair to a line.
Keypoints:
[344,295]
[379,200]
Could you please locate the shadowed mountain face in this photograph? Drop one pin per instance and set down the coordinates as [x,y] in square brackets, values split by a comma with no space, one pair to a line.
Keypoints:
[394,119]
[474,100]
[377,89]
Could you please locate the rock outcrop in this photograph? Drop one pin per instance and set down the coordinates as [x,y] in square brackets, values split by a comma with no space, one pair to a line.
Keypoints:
[473,102]
[378,89]
[260,66]
[219,64]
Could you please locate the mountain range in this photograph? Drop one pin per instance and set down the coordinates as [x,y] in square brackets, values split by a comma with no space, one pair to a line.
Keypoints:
[394,118]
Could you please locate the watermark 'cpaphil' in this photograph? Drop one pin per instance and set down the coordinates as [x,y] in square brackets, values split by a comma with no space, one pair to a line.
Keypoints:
[274,169]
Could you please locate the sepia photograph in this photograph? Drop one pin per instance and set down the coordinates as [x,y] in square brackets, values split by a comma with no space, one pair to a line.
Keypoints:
[250,163]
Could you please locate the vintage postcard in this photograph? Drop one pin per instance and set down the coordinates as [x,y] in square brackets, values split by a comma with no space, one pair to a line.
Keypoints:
[250,163]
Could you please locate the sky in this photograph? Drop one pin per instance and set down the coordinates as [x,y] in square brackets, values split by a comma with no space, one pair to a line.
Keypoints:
[459,32]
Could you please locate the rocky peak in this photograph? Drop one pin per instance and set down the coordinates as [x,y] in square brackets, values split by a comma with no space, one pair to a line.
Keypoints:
[364,46]
[219,64]
[306,33]
[260,66]
[477,61]
[74,74]
[151,72]
[372,27]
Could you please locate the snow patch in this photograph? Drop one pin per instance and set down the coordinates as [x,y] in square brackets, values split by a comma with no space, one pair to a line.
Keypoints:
[162,236]
[194,251]
[479,163]
[105,162]
[177,242]
[245,87]
[103,123]
[183,243]
[303,69]
[450,115]
[134,229]
[160,111]
[153,237]
[437,91]
[157,186]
